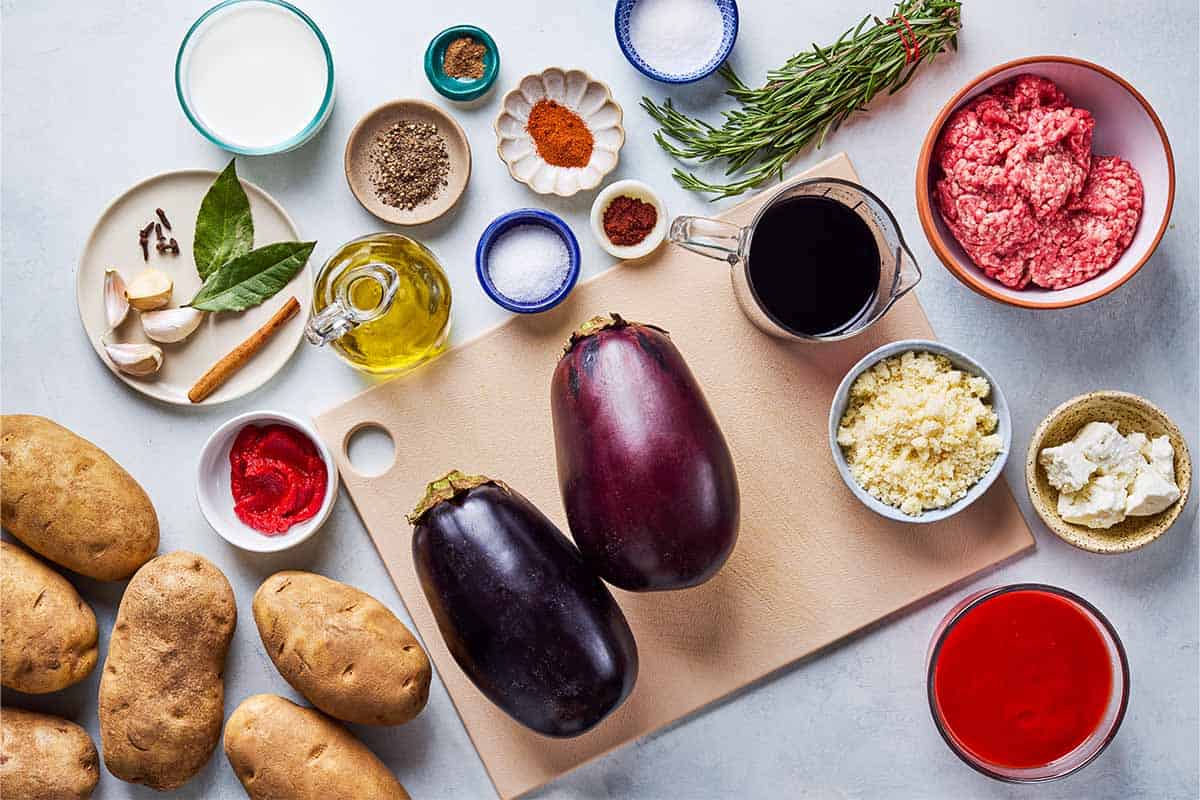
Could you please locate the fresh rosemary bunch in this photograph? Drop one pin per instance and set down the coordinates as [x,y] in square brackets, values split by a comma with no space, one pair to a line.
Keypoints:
[808,97]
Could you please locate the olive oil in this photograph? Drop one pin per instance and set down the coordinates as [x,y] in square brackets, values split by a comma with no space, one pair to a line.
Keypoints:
[379,335]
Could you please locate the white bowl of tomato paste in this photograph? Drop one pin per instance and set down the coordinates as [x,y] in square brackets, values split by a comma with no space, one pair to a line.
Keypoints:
[1027,682]
[265,481]
[1045,182]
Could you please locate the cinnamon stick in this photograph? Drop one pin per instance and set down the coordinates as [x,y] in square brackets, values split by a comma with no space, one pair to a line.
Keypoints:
[224,369]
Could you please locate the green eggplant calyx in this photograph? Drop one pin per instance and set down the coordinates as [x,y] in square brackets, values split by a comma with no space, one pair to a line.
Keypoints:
[603,322]
[447,487]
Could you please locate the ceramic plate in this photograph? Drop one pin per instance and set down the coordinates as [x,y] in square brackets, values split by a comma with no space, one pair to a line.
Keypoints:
[113,243]
[578,91]
[358,160]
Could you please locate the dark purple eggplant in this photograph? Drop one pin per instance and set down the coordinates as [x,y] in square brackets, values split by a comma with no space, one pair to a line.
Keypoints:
[524,617]
[647,479]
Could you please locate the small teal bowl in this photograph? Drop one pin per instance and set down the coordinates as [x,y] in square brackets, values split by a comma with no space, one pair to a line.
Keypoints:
[457,88]
[310,130]
[526,216]
[729,18]
[960,360]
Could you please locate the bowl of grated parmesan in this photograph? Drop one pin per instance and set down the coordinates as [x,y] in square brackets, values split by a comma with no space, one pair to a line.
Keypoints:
[919,430]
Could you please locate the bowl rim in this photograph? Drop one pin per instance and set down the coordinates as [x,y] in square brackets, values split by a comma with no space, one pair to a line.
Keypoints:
[968,604]
[532,216]
[609,98]
[1086,542]
[310,130]
[284,541]
[468,90]
[631,55]
[999,404]
[348,161]
[925,206]
[653,239]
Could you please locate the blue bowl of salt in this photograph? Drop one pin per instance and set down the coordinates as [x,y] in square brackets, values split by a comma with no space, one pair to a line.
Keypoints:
[527,260]
[676,41]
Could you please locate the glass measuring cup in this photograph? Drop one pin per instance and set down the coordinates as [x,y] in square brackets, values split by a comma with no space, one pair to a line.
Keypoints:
[383,303]
[734,244]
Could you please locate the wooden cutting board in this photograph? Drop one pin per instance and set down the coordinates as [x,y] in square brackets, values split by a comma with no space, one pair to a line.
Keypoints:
[811,566]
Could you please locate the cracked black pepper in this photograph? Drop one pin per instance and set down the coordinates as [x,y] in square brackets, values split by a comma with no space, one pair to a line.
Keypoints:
[410,164]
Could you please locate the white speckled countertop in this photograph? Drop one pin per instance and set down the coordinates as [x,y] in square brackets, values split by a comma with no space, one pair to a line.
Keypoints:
[89,108]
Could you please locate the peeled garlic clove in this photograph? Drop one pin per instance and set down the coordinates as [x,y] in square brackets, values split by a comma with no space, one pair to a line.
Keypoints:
[151,289]
[116,306]
[171,324]
[135,359]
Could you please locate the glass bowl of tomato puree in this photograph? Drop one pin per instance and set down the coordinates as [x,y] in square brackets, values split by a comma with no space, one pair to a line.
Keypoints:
[1027,682]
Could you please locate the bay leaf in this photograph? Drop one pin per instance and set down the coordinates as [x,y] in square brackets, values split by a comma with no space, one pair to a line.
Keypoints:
[224,227]
[252,277]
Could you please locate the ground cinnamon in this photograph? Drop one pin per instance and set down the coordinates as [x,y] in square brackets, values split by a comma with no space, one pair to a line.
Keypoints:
[464,59]
[561,136]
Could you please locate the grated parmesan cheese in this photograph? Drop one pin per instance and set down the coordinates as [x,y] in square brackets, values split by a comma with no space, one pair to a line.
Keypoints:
[916,432]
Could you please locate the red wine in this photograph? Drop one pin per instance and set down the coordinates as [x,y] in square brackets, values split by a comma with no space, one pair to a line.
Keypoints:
[814,265]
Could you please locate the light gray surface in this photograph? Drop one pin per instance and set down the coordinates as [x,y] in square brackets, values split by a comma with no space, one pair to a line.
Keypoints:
[89,108]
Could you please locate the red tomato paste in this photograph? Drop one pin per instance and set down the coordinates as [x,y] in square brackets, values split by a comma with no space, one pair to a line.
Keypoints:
[278,477]
[1023,679]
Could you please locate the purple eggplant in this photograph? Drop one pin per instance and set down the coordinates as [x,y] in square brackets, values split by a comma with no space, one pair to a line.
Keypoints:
[535,630]
[647,479]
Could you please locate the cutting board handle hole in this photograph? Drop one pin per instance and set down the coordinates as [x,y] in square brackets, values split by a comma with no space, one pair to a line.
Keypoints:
[370,449]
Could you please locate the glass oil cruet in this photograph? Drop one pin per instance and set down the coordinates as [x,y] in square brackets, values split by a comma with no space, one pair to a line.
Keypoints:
[382,302]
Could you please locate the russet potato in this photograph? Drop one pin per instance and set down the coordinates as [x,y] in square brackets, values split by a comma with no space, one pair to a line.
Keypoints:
[43,757]
[68,501]
[342,649]
[282,751]
[162,691]
[47,633]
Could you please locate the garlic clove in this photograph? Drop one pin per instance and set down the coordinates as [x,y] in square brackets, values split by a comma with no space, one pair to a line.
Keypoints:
[135,359]
[151,289]
[171,324]
[116,305]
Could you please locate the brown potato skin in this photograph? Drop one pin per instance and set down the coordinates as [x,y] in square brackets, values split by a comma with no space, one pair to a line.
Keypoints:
[47,633]
[43,757]
[342,649]
[68,501]
[162,694]
[282,751]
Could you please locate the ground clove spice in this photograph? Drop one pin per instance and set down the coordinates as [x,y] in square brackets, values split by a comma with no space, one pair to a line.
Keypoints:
[410,164]
[464,59]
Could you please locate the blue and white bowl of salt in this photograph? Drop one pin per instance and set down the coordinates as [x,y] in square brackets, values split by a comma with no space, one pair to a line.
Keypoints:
[527,260]
[676,41]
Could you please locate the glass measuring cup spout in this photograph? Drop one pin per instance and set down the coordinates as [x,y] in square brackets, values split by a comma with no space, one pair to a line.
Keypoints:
[342,315]
[822,259]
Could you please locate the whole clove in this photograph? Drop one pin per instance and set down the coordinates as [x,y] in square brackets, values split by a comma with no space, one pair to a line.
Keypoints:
[144,241]
[173,245]
[162,217]
[158,232]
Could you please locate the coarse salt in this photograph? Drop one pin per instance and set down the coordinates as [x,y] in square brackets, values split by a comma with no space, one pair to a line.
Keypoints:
[676,37]
[528,263]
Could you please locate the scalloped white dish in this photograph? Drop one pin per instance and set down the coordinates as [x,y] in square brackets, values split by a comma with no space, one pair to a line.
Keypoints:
[587,97]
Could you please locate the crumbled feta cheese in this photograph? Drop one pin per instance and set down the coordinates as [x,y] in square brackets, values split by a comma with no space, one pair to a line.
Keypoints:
[1066,466]
[1150,493]
[1161,456]
[1100,504]
[1102,476]
[916,432]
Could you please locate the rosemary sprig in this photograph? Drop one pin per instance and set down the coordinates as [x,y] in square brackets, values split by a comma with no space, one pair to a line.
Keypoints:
[808,97]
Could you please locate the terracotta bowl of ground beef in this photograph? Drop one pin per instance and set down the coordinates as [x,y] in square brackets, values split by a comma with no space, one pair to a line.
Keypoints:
[1045,182]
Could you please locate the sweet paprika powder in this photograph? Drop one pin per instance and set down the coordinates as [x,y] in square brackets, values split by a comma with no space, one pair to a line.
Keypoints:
[628,220]
[561,136]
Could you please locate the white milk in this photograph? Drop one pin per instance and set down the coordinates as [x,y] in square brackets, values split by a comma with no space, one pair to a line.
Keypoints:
[255,75]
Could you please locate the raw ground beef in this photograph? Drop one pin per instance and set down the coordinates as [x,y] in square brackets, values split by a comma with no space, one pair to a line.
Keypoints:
[1022,193]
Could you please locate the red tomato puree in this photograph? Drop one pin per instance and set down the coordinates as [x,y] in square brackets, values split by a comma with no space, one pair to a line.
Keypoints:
[278,477]
[1023,679]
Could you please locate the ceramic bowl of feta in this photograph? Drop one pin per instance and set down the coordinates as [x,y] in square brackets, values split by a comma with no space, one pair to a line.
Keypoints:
[1108,472]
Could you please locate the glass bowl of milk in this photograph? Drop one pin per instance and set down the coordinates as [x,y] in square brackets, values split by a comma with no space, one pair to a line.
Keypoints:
[255,77]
